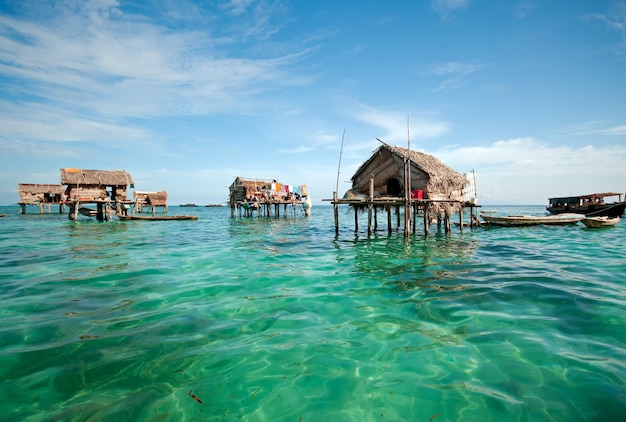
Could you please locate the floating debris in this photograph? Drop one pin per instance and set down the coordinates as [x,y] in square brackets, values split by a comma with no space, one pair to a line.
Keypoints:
[87,337]
[193,396]
[436,415]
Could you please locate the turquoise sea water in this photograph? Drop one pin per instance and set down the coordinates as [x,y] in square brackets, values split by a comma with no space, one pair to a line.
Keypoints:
[279,319]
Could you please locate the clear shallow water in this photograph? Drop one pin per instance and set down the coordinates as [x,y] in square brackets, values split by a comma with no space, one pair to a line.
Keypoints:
[280,320]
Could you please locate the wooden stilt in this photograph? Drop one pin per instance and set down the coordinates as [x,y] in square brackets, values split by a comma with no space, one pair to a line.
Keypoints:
[336,212]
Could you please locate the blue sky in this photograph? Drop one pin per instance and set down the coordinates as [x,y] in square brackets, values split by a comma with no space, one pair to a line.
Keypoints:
[187,95]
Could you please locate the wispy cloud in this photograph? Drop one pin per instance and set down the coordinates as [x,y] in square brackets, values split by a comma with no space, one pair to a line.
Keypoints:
[118,65]
[448,7]
[615,20]
[395,125]
[455,74]
[593,128]
[523,10]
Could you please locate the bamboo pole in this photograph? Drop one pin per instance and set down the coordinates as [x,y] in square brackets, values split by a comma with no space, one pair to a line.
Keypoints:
[369,206]
[336,212]
[407,186]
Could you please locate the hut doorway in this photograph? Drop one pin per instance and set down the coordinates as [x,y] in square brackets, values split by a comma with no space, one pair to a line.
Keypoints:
[393,187]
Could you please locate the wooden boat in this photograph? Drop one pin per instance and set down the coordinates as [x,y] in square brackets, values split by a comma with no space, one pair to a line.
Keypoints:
[592,205]
[187,205]
[88,212]
[596,222]
[532,220]
[3,215]
[157,217]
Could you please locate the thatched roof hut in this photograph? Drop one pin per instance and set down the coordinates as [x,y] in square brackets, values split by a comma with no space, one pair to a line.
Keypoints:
[96,184]
[157,199]
[430,178]
[244,189]
[150,199]
[35,193]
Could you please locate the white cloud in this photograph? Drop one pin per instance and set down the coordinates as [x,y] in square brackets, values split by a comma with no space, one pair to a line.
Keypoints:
[455,73]
[447,7]
[395,125]
[526,170]
[118,65]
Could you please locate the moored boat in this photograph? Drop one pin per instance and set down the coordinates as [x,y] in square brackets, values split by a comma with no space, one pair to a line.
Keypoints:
[88,212]
[592,205]
[157,217]
[603,221]
[532,220]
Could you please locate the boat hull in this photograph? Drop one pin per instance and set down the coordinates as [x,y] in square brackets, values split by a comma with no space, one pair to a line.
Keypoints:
[157,217]
[88,212]
[597,222]
[532,220]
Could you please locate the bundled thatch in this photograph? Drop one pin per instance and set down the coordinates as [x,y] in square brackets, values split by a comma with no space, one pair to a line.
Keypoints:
[78,177]
[435,180]
[35,193]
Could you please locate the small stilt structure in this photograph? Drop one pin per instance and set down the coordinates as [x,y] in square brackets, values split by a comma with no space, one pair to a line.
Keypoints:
[42,196]
[406,182]
[254,197]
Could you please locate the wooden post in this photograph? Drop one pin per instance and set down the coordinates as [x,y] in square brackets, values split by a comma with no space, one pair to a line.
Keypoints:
[426,220]
[99,213]
[388,219]
[336,212]
[461,218]
[22,208]
[356,219]
[369,207]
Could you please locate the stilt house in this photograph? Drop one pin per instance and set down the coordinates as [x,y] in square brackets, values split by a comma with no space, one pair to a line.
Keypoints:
[40,194]
[96,185]
[35,194]
[263,195]
[430,179]
[150,200]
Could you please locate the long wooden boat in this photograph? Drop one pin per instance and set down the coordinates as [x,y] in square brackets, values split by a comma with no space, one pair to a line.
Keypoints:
[596,222]
[3,215]
[593,205]
[156,217]
[532,220]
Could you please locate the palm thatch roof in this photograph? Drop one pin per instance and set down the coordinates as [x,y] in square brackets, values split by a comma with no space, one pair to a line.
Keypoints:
[35,188]
[78,177]
[441,177]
